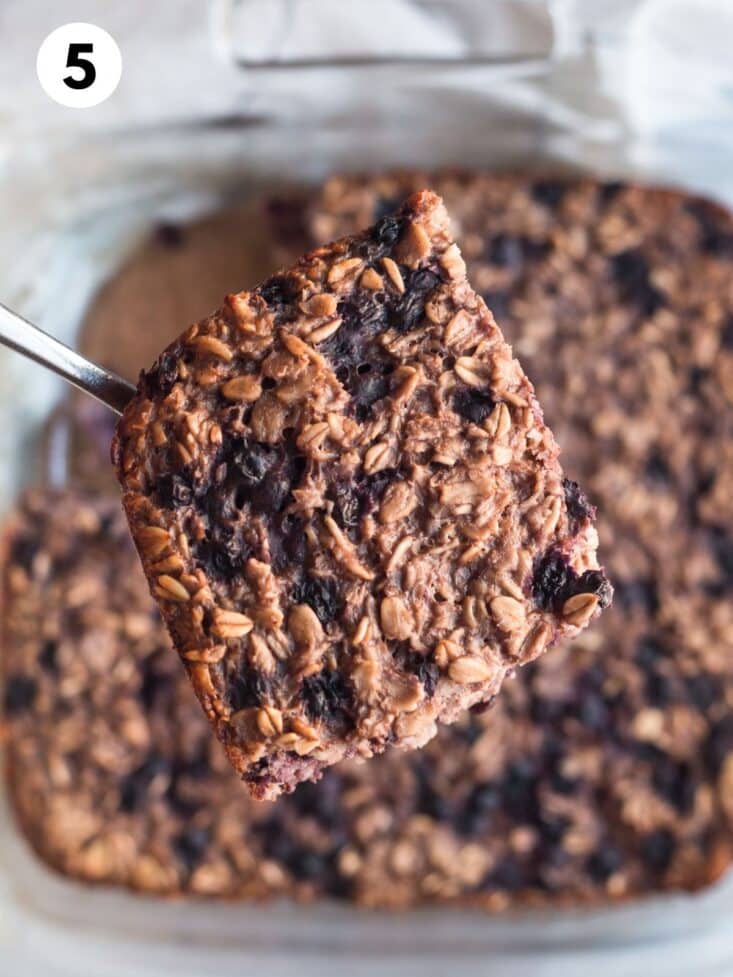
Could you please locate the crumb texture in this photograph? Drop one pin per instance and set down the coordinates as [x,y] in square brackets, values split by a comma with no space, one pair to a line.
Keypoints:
[348,504]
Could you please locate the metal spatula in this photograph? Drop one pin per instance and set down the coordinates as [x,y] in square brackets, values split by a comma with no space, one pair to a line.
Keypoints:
[23,337]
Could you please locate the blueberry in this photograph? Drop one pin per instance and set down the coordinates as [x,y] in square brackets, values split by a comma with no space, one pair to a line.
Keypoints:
[174,491]
[247,688]
[222,554]
[252,461]
[473,405]
[373,487]
[320,801]
[48,657]
[20,694]
[610,190]
[513,250]
[426,671]
[719,744]
[507,876]
[675,781]
[24,551]
[322,595]
[640,593]
[659,689]
[287,541]
[498,301]
[519,793]
[387,230]
[722,546]
[134,786]
[549,192]
[579,508]
[649,651]
[703,690]
[656,468]
[191,844]
[327,697]
[429,801]
[505,250]
[406,313]
[657,849]
[153,686]
[606,860]
[367,388]
[278,292]
[158,381]
[726,335]
[169,235]
[553,829]
[631,272]
[346,506]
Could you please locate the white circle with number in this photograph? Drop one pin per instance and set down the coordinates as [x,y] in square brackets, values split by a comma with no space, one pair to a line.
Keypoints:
[79,65]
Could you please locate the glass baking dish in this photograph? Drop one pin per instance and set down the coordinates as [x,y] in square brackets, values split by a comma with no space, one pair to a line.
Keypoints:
[545,106]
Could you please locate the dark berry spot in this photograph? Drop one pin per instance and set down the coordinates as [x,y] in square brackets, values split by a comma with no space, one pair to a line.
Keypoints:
[549,192]
[328,698]
[406,313]
[649,651]
[134,786]
[726,335]
[703,690]
[169,235]
[715,234]
[174,491]
[631,273]
[675,782]
[247,689]
[346,506]
[154,686]
[641,593]
[719,744]
[24,552]
[190,846]
[278,292]
[505,250]
[553,829]
[473,405]
[656,468]
[322,595]
[48,657]
[498,302]
[507,876]
[604,862]
[20,694]
[512,251]
[307,864]
[519,793]
[320,801]
[610,190]
[422,667]
[387,230]
[554,581]
[657,849]
[579,508]
[158,381]
[287,541]
[659,689]
[722,546]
